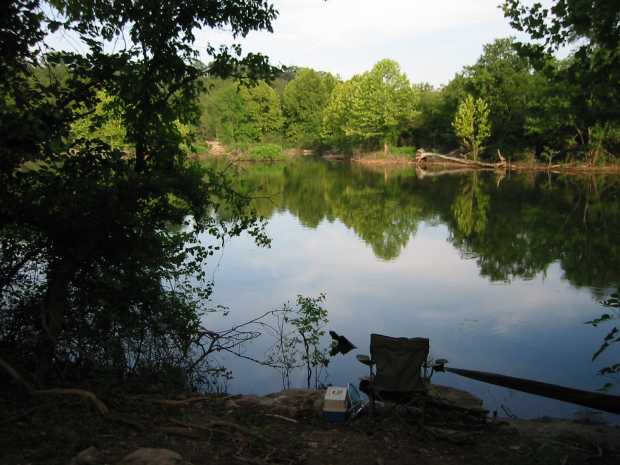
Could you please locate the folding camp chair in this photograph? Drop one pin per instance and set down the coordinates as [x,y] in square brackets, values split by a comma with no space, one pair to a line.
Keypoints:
[399,371]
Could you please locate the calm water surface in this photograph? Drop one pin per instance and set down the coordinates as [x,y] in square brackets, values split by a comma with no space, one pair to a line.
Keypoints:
[500,272]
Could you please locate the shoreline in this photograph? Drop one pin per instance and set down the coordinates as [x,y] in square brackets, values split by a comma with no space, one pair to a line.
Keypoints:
[560,168]
[432,167]
[285,428]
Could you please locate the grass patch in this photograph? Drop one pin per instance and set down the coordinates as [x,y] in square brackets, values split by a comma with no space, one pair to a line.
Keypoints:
[405,151]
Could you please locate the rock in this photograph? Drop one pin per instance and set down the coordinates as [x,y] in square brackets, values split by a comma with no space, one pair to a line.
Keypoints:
[147,456]
[247,401]
[295,401]
[231,404]
[290,402]
[88,456]
[455,396]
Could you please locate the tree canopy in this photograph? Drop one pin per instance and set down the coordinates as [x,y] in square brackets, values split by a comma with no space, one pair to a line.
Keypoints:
[303,103]
[373,107]
[93,272]
[592,73]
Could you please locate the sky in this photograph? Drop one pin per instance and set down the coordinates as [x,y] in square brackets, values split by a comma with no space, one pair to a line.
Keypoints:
[431,39]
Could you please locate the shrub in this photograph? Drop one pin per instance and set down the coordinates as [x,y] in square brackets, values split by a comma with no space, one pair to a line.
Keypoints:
[264,152]
[200,147]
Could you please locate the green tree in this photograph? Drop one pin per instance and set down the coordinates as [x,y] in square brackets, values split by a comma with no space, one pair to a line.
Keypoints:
[432,128]
[303,102]
[104,124]
[337,115]
[246,113]
[506,82]
[374,108]
[309,320]
[549,120]
[263,109]
[472,125]
[96,275]
[593,70]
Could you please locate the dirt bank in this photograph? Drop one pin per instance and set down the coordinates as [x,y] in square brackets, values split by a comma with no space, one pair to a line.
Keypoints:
[281,429]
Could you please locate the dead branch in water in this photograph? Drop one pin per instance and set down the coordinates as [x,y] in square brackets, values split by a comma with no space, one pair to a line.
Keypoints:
[426,156]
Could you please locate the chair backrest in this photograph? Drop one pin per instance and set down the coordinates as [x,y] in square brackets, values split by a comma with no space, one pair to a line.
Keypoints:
[398,362]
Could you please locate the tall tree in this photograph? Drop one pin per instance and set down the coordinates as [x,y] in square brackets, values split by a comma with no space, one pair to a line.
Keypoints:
[506,82]
[243,113]
[303,102]
[374,107]
[472,124]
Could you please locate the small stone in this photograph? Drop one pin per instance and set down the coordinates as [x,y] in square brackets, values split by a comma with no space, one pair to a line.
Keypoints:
[88,456]
[148,456]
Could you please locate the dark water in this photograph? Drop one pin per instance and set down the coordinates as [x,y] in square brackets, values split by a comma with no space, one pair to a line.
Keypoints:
[500,272]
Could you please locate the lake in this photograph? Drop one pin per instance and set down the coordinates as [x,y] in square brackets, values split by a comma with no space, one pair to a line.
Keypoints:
[500,272]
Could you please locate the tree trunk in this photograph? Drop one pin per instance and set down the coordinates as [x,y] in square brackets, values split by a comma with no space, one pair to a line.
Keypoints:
[140,157]
[59,277]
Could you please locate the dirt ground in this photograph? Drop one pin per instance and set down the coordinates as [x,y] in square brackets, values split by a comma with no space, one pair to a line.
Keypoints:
[232,430]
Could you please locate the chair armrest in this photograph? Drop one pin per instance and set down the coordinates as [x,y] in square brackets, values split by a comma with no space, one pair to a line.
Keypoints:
[365,359]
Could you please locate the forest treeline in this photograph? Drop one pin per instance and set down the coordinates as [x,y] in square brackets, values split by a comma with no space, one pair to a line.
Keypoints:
[535,110]
[532,112]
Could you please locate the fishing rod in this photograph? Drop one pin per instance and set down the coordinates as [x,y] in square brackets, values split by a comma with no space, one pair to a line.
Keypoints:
[596,400]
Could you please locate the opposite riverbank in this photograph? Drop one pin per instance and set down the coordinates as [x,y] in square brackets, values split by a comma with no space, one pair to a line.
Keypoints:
[424,160]
[436,164]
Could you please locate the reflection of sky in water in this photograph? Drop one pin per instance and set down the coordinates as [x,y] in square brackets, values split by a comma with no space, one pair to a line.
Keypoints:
[532,329]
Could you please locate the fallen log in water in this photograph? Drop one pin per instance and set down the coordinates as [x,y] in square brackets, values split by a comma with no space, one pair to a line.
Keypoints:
[427,156]
[595,400]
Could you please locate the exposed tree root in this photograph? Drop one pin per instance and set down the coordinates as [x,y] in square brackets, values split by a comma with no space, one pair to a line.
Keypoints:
[178,431]
[281,417]
[212,426]
[100,406]
[126,421]
[179,403]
